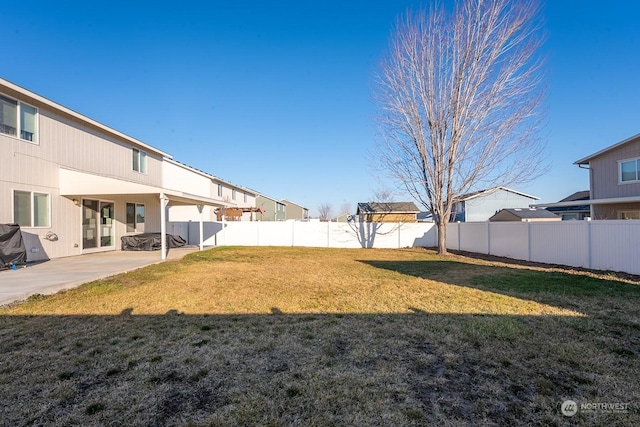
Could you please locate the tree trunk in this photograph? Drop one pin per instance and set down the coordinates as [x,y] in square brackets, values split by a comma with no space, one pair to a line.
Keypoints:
[441,226]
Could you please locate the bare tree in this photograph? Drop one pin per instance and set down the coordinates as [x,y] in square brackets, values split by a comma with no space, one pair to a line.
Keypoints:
[325,211]
[347,208]
[460,97]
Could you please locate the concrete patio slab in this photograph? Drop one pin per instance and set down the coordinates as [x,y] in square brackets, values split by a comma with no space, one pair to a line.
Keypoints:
[58,274]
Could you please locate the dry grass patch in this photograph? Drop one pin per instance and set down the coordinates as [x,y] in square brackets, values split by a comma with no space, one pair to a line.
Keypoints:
[302,336]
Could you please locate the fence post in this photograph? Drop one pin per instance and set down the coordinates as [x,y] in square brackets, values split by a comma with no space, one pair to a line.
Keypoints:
[488,237]
[528,240]
[589,254]
[459,238]
[399,226]
[328,234]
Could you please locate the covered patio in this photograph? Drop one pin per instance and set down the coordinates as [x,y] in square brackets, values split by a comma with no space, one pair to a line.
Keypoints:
[79,186]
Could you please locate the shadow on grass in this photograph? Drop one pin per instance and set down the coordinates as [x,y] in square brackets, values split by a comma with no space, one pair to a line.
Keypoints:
[579,292]
[310,369]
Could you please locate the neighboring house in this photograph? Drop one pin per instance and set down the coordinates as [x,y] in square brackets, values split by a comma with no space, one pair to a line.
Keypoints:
[273,210]
[387,212]
[573,212]
[481,205]
[614,179]
[76,186]
[295,211]
[343,217]
[239,201]
[524,214]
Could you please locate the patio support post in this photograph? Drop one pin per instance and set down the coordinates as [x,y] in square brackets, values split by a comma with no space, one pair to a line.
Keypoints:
[200,209]
[164,201]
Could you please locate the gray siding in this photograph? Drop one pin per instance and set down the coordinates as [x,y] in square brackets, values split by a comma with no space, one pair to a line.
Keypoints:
[604,173]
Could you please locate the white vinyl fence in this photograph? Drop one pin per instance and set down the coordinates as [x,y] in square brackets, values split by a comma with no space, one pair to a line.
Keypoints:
[308,233]
[600,245]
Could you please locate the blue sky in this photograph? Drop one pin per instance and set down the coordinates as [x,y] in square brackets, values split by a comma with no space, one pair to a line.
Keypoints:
[276,96]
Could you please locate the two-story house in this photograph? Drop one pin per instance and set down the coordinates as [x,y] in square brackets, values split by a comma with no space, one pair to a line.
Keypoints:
[295,211]
[614,180]
[272,209]
[76,186]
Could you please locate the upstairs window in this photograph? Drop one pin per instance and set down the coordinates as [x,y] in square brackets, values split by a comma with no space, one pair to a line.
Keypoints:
[219,190]
[233,194]
[630,170]
[139,161]
[18,119]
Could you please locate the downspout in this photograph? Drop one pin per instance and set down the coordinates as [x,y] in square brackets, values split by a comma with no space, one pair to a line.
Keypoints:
[591,195]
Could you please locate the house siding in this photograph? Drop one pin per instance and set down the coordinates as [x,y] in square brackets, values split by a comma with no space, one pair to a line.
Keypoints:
[271,210]
[483,207]
[612,211]
[65,141]
[294,211]
[388,217]
[605,182]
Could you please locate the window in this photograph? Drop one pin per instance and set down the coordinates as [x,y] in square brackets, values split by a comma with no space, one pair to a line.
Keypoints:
[135,218]
[245,197]
[630,170]
[25,128]
[219,190]
[233,194]
[629,214]
[31,209]
[139,161]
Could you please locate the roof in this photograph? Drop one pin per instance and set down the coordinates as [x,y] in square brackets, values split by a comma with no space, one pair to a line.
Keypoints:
[78,116]
[578,195]
[487,191]
[289,202]
[388,207]
[529,213]
[586,160]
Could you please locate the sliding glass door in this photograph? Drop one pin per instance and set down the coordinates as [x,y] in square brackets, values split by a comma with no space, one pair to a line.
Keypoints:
[98,226]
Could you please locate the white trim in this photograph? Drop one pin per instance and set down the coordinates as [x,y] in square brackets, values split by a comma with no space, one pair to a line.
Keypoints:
[604,150]
[632,159]
[609,201]
[488,191]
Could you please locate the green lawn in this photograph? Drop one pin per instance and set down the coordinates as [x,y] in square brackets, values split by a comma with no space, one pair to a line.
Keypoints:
[304,336]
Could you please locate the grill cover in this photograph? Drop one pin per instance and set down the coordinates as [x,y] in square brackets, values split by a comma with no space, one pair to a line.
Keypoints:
[149,242]
[12,249]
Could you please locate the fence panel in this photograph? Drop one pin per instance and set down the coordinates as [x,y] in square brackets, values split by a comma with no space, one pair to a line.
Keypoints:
[312,234]
[509,239]
[614,245]
[564,242]
[474,237]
